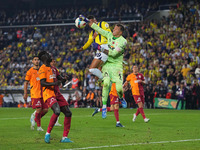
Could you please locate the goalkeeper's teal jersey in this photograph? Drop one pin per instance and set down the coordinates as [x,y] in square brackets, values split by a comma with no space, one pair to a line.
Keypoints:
[116,46]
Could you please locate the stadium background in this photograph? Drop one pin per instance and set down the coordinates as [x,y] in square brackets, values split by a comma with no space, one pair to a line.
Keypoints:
[167,49]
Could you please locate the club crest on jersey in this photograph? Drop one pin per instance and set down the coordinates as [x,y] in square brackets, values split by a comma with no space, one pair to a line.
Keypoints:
[38,79]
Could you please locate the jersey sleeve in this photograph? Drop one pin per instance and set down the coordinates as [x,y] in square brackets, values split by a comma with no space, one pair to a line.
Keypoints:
[118,50]
[89,42]
[100,30]
[42,74]
[105,26]
[28,75]
[128,78]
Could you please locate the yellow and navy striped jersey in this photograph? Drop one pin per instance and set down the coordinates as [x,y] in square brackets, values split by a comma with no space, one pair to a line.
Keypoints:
[99,38]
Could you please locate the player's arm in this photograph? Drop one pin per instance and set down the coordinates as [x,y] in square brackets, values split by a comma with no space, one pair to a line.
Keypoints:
[128,79]
[46,84]
[27,79]
[99,30]
[87,44]
[125,84]
[25,90]
[117,51]
[42,76]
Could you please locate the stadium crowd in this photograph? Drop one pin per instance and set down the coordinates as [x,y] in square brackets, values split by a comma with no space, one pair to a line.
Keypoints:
[67,14]
[167,52]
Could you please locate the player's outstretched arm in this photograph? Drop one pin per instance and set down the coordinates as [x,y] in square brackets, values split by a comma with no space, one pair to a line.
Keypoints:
[125,84]
[46,84]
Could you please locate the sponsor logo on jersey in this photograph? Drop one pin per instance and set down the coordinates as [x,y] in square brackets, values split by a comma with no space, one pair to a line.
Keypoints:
[111,47]
[38,79]
[52,76]
[38,103]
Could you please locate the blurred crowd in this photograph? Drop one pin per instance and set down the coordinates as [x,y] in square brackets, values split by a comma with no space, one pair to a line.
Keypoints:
[53,15]
[167,53]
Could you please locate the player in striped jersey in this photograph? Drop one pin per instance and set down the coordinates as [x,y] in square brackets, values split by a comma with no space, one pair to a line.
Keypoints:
[97,39]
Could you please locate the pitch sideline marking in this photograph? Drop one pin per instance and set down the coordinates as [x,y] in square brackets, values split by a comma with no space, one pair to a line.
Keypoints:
[132,144]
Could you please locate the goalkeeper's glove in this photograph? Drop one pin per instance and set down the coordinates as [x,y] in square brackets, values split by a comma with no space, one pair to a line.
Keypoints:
[81,17]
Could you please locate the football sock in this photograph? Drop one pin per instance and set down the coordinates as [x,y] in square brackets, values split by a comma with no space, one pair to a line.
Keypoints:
[108,108]
[100,109]
[67,125]
[138,112]
[52,122]
[116,112]
[96,72]
[38,119]
[42,114]
[142,113]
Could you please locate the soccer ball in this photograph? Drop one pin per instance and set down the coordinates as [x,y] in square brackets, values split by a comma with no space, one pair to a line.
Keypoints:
[80,23]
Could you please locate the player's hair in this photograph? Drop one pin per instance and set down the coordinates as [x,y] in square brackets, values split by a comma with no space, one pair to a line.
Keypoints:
[34,57]
[134,65]
[91,17]
[121,27]
[41,54]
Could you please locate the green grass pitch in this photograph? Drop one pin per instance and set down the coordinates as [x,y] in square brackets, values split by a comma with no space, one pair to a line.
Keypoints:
[166,130]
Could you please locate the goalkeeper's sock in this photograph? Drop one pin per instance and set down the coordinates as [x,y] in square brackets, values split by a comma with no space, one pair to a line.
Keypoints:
[96,72]
[138,112]
[116,112]
[67,125]
[52,122]
[142,112]
[38,119]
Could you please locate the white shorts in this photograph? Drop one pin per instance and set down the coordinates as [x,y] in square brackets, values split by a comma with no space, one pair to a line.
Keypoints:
[100,55]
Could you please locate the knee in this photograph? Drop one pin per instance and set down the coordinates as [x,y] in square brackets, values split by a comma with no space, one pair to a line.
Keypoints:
[38,110]
[57,111]
[91,70]
[68,114]
[45,111]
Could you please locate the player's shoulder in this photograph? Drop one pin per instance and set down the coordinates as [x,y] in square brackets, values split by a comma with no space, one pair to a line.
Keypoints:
[42,67]
[140,75]
[104,24]
[30,70]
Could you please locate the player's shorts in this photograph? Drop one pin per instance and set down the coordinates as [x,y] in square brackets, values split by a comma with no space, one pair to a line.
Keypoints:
[38,103]
[138,98]
[114,99]
[61,100]
[58,99]
[100,55]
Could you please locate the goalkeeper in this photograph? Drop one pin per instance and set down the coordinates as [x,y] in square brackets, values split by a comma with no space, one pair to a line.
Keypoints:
[113,68]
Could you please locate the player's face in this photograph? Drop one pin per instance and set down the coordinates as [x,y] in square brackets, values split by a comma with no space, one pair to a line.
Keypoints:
[117,31]
[36,61]
[53,62]
[135,69]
